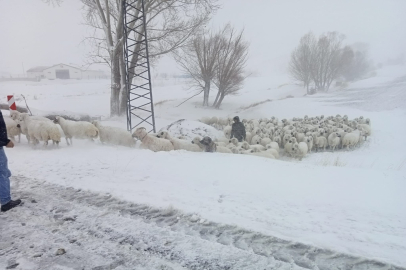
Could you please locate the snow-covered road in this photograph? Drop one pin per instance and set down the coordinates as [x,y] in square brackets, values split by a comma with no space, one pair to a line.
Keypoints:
[102,232]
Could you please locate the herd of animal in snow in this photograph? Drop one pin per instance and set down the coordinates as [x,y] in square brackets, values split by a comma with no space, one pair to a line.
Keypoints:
[297,137]
[41,129]
[265,137]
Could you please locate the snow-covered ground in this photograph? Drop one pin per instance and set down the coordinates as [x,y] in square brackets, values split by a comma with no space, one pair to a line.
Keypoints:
[350,202]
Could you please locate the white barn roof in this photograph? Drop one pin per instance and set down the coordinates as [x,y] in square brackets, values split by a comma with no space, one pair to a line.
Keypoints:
[37,69]
[62,65]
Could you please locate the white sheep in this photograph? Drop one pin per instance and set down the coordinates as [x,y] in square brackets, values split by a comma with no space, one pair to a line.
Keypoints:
[321,142]
[300,137]
[248,137]
[24,128]
[278,140]
[262,154]
[288,147]
[265,141]
[14,115]
[151,142]
[214,120]
[309,141]
[219,149]
[179,144]
[39,130]
[368,121]
[334,140]
[352,139]
[223,121]
[257,147]
[114,135]
[13,128]
[79,129]
[23,120]
[233,142]
[245,152]
[273,145]
[273,152]
[224,144]
[256,139]
[222,149]
[300,150]
[196,140]
[366,128]
[227,132]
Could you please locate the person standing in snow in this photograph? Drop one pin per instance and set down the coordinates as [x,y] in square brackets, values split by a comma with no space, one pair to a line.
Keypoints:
[5,197]
[238,130]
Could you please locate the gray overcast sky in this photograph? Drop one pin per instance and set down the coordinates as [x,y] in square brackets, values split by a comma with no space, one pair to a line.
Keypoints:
[36,34]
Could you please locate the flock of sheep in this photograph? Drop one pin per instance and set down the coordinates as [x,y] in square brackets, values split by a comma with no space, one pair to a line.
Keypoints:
[265,137]
[41,129]
[297,137]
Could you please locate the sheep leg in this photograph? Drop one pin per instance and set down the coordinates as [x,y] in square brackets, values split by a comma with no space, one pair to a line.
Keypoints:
[19,138]
[67,141]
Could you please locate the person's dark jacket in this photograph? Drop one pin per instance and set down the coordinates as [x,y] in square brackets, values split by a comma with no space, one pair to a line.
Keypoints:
[238,131]
[3,132]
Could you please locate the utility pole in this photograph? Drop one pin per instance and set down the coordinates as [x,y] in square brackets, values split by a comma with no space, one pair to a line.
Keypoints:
[140,106]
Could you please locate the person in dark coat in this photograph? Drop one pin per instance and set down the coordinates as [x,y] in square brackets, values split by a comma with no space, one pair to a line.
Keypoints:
[5,197]
[238,130]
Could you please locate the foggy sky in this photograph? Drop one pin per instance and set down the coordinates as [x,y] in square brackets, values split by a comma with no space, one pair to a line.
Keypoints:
[36,34]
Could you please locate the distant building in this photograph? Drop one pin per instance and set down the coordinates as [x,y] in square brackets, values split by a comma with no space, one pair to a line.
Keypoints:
[64,72]
[36,72]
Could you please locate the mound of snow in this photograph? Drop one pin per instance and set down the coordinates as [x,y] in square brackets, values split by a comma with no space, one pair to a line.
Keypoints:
[192,129]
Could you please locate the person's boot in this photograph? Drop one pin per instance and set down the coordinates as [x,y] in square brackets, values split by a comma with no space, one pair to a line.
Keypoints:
[10,205]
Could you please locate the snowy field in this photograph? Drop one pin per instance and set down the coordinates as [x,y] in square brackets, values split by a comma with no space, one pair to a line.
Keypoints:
[349,202]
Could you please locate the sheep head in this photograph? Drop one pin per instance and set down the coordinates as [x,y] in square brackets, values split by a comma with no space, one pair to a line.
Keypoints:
[234,141]
[57,119]
[206,141]
[94,123]
[140,133]
[163,135]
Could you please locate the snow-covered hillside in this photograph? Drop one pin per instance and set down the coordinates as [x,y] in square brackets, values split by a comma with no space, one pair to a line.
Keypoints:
[350,202]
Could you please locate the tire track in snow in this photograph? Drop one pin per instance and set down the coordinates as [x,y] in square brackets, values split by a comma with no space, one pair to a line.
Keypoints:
[104,230]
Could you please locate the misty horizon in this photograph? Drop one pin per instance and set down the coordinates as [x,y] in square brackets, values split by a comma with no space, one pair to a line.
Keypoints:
[37,34]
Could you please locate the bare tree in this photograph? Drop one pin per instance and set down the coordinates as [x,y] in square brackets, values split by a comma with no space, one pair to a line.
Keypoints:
[327,61]
[53,2]
[170,23]
[301,60]
[199,60]
[231,64]
[356,63]
[319,61]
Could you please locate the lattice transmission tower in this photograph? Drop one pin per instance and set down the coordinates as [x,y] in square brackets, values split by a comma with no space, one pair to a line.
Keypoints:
[140,106]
